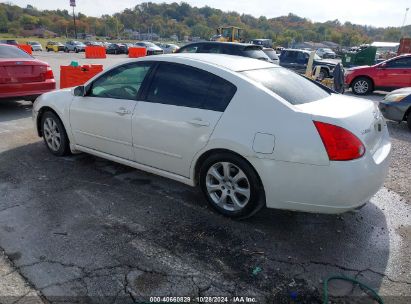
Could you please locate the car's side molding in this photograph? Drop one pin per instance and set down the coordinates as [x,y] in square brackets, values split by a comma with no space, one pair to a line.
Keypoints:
[135,165]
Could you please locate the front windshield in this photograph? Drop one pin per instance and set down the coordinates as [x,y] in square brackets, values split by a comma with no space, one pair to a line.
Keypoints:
[289,85]
[148,44]
[316,57]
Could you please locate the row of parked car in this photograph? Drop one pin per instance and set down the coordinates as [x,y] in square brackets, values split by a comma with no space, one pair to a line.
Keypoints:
[111,48]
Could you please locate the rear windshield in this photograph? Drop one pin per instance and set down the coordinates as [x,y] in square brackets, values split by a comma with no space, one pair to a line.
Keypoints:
[12,52]
[255,52]
[289,85]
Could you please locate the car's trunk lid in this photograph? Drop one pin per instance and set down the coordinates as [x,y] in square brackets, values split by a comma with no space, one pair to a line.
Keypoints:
[21,71]
[359,116]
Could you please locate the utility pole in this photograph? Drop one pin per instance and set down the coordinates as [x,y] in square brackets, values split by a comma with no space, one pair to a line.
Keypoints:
[73,5]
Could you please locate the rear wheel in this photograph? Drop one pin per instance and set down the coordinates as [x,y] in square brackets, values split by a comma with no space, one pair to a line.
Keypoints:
[361,86]
[54,134]
[231,185]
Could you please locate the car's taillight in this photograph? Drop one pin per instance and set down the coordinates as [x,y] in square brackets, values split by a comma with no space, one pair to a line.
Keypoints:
[49,73]
[339,143]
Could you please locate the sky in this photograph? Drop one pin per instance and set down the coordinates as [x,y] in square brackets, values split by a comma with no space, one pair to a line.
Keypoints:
[366,12]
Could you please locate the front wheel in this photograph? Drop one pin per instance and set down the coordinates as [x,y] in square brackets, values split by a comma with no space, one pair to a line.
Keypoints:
[409,120]
[231,185]
[54,134]
[361,86]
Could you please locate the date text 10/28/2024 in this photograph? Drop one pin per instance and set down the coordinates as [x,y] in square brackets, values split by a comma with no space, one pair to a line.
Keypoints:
[203,300]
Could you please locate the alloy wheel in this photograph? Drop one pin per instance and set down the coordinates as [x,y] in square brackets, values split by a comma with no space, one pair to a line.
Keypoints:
[361,87]
[228,186]
[52,134]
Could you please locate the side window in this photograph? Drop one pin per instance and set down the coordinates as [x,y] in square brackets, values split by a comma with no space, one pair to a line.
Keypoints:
[189,49]
[400,63]
[123,82]
[220,94]
[211,48]
[186,86]
[301,56]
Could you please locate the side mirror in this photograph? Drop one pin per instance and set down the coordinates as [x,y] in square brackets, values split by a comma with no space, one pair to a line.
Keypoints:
[79,91]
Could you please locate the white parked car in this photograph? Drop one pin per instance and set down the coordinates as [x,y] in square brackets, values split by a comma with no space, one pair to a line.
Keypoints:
[168,48]
[151,48]
[326,53]
[248,132]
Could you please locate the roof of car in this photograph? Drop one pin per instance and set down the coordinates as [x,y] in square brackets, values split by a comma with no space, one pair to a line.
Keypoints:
[234,63]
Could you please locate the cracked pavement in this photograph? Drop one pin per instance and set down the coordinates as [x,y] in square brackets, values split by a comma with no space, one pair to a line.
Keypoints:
[83,229]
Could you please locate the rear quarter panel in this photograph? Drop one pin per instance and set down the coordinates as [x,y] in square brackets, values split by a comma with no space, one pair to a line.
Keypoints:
[254,109]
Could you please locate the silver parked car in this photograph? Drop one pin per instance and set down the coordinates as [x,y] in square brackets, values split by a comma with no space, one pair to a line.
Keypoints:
[74,46]
[35,46]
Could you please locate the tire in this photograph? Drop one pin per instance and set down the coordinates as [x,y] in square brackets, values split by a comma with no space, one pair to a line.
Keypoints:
[48,50]
[361,86]
[76,50]
[51,125]
[222,190]
[66,50]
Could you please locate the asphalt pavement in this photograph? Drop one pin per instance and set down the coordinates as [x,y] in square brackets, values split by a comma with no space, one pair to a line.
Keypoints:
[84,229]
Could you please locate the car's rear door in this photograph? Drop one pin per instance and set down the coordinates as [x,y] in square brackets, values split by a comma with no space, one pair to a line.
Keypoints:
[101,120]
[177,115]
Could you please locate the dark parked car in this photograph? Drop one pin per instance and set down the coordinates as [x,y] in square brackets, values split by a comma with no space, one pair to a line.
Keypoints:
[228,48]
[117,48]
[297,60]
[9,41]
[397,105]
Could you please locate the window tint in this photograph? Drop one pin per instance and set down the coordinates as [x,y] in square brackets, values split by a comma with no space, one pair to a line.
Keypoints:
[289,85]
[123,82]
[185,86]
[12,52]
[189,49]
[211,48]
[400,63]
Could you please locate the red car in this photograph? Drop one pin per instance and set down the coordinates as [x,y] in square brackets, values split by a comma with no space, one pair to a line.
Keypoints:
[22,76]
[388,75]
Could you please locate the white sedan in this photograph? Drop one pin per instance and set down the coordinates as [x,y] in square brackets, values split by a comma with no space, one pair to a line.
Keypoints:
[248,132]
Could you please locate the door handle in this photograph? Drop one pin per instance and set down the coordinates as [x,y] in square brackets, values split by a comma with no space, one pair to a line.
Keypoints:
[199,122]
[123,111]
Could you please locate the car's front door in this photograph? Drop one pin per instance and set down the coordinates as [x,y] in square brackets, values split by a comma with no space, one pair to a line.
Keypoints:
[180,110]
[101,120]
[394,73]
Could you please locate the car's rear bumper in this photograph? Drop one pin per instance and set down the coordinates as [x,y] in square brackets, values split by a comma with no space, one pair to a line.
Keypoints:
[26,89]
[334,188]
